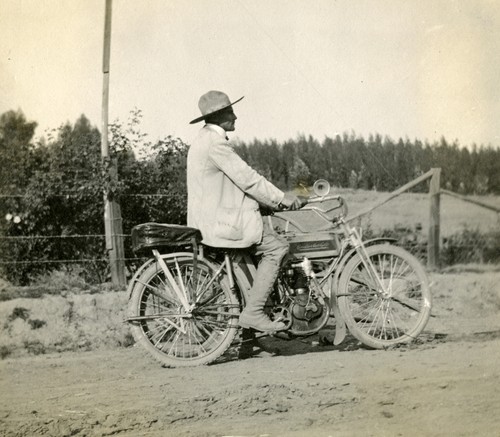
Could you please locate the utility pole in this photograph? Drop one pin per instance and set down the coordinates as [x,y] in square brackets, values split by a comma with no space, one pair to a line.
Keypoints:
[112,212]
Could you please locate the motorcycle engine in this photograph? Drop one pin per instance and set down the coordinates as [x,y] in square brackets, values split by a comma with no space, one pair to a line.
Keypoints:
[305,308]
[306,312]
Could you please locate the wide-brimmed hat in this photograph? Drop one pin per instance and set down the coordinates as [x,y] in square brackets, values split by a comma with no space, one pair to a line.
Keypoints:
[212,102]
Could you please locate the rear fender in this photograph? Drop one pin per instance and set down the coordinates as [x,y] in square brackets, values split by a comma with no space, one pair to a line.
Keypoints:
[150,261]
[138,273]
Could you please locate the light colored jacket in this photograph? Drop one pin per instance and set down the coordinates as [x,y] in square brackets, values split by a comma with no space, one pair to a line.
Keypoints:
[224,193]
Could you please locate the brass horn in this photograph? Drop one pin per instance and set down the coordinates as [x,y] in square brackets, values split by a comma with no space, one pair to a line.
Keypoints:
[321,187]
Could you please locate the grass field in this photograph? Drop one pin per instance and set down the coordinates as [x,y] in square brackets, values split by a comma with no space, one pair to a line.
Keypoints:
[410,210]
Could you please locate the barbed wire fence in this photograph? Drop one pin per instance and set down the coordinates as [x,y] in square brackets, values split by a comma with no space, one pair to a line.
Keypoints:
[98,265]
[471,245]
[468,229]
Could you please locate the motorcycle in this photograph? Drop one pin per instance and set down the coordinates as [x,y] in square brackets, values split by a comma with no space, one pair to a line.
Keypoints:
[185,300]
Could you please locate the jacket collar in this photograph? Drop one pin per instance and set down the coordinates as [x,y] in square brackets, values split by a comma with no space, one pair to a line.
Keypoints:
[216,129]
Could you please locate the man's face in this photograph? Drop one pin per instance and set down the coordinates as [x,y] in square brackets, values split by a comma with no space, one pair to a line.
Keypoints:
[227,119]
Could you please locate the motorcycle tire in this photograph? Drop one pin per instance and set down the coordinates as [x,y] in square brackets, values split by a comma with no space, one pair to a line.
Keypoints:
[391,310]
[161,324]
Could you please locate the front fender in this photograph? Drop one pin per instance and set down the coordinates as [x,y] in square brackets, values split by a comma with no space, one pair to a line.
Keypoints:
[373,241]
[341,329]
[351,253]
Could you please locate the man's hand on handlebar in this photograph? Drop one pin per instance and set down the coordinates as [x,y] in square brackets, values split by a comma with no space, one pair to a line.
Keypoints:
[291,202]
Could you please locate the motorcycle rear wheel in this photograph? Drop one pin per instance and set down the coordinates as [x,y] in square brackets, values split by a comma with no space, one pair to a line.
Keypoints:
[390,311]
[172,335]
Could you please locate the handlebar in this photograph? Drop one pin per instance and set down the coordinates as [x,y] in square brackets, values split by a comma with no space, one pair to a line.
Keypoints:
[339,199]
[324,199]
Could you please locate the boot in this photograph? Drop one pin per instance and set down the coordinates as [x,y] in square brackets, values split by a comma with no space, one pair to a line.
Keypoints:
[255,318]
[273,250]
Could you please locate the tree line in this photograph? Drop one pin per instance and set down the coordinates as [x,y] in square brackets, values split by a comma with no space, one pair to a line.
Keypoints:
[54,186]
[375,163]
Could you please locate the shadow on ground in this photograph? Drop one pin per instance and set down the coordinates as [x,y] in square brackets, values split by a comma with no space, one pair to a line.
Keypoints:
[283,345]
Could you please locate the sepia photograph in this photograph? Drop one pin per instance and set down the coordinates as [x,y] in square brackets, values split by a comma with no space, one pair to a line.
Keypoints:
[249,218]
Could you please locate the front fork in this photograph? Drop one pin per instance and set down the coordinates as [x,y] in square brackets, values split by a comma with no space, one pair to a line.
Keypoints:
[357,243]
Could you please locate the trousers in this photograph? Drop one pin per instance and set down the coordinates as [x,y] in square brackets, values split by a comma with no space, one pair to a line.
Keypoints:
[272,249]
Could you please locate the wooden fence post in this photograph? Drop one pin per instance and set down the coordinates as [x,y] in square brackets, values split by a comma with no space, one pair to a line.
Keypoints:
[114,241]
[434,231]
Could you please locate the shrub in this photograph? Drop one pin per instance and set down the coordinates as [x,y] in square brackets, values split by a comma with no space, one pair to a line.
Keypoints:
[59,215]
[19,313]
[37,324]
[464,247]
[5,351]
[471,246]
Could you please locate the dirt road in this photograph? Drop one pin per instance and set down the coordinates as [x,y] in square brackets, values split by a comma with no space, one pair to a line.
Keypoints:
[445,388]
[447,384]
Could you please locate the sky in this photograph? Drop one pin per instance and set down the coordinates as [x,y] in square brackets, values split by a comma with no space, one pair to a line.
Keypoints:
[417,69]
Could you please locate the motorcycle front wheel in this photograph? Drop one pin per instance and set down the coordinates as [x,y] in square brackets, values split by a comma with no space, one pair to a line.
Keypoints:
[385,298]
[160,322]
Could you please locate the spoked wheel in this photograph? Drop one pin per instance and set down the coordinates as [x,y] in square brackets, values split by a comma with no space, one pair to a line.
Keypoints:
[387,300]
[186,318]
